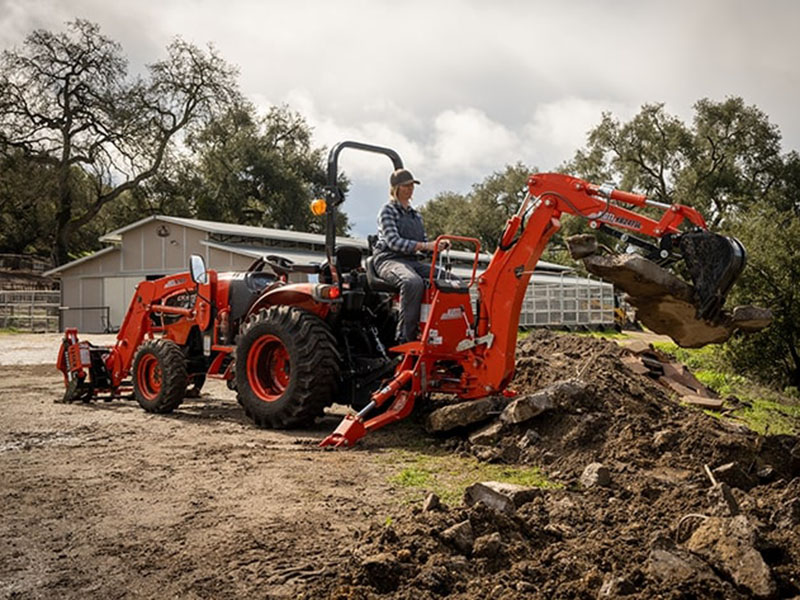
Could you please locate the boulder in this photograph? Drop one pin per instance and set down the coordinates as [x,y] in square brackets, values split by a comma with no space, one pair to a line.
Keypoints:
[460,415]
[729,545]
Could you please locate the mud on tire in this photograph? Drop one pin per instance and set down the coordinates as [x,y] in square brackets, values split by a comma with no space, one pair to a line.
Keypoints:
[287,367]
[159,376]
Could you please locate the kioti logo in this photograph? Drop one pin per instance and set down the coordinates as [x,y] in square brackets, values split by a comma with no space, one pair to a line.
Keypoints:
[632,223]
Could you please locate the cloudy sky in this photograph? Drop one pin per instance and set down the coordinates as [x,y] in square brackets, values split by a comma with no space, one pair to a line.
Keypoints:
[463,87]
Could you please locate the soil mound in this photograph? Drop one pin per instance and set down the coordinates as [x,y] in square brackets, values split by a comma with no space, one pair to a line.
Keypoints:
[654,499]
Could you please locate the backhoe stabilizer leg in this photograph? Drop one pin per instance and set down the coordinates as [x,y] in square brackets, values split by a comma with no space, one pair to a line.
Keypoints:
[354,427]
[714,263]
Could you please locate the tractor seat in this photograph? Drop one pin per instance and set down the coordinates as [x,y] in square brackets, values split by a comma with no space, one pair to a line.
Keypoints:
[375,283]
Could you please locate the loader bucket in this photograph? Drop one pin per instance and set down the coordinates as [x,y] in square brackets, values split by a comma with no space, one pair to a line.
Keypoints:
[714,263]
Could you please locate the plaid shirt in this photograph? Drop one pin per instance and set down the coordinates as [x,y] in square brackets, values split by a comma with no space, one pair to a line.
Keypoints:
[399,231]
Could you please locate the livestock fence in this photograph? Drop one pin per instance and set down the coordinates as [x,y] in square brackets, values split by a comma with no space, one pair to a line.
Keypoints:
[30,310]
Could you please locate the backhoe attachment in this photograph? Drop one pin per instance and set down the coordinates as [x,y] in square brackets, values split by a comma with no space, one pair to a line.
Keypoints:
[714,263]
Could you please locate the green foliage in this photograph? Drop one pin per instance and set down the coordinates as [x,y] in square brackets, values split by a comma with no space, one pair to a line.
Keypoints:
[481,213]
[762,409]
[728,165]
[243,168]
[93,133]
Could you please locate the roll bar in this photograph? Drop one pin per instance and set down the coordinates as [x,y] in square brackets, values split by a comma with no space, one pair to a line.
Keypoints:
[334,196]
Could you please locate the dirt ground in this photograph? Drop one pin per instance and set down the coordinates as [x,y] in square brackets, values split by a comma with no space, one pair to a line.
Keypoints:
[105,501]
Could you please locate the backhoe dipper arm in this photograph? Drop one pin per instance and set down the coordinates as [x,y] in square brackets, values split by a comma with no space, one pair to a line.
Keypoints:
[504,283]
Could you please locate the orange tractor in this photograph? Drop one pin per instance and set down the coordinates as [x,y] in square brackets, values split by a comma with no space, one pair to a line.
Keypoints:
[292,349]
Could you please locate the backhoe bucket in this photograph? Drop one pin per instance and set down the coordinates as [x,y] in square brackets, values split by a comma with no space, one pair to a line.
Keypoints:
[714,263]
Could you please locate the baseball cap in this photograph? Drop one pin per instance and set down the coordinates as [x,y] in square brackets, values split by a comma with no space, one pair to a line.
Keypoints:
[402,177]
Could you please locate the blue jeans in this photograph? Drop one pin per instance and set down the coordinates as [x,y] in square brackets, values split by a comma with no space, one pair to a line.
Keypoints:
[410,276]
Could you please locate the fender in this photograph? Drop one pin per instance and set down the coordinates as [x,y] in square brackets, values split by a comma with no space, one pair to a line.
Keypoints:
[317,298]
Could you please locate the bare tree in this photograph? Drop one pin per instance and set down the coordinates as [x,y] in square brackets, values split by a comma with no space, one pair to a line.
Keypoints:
[66,101]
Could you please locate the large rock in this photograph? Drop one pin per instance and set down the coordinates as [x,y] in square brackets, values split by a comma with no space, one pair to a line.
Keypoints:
[527,407]
[664,303]
[561,394]
[729,545]
[460,415]
[502,497]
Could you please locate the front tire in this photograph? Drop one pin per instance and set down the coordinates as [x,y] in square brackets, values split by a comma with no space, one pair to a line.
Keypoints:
[287,367]
[159,376]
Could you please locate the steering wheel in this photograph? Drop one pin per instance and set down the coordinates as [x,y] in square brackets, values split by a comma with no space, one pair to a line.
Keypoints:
[279,264]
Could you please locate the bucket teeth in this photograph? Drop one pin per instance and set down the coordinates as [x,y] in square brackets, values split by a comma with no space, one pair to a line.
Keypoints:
[714,263]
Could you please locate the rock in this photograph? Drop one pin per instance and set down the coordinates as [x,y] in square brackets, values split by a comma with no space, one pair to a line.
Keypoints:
[766,474]
[488,435]
[460,536]
[787,515]
[502,497]
[675,566]
[460,415]
[581,246]
[381,571]
[664,303]
[616,586]
[529,438]
[527,407]
[734,476]
[729,545]
[432,502]
[488,545]
[595,474]
[751,318]
[723,500]
[563,394]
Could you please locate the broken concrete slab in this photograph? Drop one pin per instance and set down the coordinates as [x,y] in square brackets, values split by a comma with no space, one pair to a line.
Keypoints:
[460,536]
[488,435]
[637,346]
[664,303]
[729,545]
[527,407]
[502,497]
[460,415]
[703,402]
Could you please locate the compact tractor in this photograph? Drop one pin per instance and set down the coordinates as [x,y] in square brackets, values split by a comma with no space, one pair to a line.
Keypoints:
[292,349]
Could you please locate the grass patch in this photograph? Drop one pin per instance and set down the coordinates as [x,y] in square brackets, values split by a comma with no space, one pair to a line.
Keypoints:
[764,411]
[448,475]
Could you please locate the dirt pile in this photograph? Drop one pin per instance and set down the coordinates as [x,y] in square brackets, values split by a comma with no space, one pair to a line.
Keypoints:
[634,511]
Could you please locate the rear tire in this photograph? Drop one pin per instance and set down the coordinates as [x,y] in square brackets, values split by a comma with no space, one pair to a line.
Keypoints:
[159,376]
[287,367]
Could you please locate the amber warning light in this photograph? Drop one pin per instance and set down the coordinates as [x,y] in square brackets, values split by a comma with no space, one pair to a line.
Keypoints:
[318,206]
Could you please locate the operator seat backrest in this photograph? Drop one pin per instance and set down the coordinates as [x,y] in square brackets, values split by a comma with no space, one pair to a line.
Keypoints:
[348,258]
[375,283]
